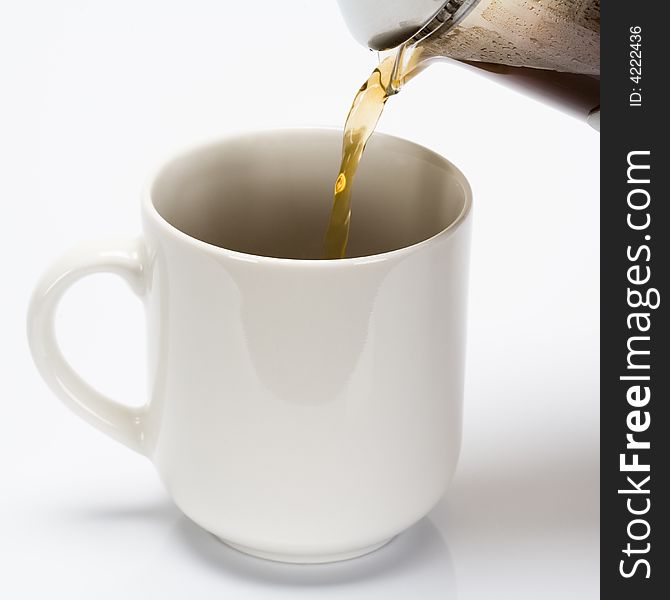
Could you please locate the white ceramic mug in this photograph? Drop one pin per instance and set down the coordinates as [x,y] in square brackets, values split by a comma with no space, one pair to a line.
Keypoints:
[300,409]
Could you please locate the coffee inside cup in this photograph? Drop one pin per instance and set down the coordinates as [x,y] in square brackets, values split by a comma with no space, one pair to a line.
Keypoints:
[268,194]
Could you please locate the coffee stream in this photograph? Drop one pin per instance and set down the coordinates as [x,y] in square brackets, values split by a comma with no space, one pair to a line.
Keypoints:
[550,50]
[367,107]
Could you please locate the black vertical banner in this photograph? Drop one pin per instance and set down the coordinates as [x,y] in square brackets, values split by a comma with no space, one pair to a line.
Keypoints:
[635,295]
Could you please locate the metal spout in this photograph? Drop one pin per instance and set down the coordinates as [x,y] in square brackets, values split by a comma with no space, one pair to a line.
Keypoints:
[385,24]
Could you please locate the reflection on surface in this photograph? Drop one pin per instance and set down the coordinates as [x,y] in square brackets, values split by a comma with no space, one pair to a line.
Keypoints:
[526,522]
[160,549]
[521,520]
[519,524]
[534,499]
[415,562]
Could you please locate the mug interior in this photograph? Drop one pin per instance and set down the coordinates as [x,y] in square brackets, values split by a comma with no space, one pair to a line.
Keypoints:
[270,193]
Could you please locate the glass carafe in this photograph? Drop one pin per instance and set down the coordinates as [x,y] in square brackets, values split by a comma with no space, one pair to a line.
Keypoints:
[549,49]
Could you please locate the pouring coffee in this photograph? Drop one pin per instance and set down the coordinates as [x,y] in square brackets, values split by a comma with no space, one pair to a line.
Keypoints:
[549,49]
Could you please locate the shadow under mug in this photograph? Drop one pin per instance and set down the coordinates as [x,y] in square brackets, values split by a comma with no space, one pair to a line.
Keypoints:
[302,410]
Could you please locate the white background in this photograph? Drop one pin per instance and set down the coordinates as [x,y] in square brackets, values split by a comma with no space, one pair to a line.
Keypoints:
[93,95]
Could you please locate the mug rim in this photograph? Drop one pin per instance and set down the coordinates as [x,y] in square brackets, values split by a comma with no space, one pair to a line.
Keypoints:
[150,211]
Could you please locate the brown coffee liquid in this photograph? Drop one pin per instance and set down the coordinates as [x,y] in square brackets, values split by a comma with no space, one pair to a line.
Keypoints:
[368,105]
[548,49]
[545,48]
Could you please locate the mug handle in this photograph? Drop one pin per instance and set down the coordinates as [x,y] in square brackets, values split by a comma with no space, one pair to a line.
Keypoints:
[125,258]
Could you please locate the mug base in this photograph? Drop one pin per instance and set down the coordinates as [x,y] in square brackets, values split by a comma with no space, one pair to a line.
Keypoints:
[306,558]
